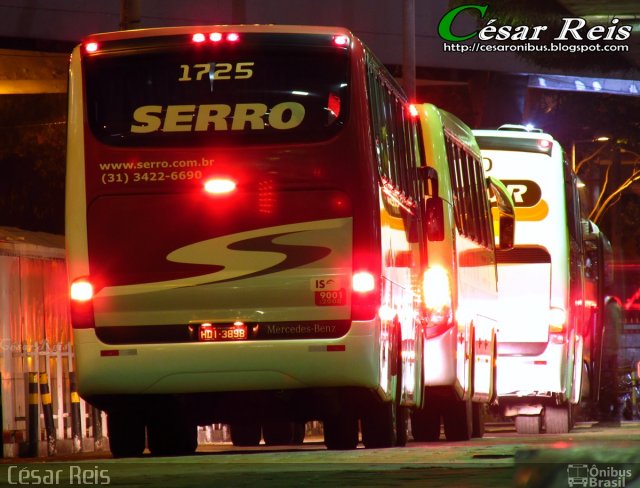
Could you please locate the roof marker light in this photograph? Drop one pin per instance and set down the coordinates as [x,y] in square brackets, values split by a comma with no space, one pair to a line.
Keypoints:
[215,36]
[340,40]
[217,186]
[198,37]
[91,47]
[544,144]
[233,37]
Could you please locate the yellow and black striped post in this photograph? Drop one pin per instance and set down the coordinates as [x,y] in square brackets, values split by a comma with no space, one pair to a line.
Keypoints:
[33,427]
[47,411]
[76,426]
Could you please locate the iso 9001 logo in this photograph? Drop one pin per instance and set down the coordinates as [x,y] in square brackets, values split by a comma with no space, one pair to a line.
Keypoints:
[597,476]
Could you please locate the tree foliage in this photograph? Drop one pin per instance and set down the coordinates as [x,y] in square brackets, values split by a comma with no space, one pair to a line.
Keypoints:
[32,162]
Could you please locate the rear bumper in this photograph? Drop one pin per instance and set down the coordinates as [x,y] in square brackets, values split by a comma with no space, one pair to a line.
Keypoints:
[538,376]
[146,369]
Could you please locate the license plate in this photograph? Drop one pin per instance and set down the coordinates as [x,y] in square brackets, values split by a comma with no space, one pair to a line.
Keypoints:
[331,298]
[210,333]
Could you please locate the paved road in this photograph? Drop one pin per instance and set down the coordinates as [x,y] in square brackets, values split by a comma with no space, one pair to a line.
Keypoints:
[588,456]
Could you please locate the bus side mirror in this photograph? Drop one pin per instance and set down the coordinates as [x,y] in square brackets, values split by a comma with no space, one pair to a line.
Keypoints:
[433,210]
[434,219]
[506,213]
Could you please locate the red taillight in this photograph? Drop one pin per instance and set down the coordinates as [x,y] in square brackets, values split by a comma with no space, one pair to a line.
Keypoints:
[81,293]
[91,47]
[218,186]
[233,37]
[413,110]
[365,296]
[363,282]
[81,290]
[215,37]
[198,37]
[341,40]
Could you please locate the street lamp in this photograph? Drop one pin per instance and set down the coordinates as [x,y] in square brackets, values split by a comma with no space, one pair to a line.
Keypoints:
[603,138]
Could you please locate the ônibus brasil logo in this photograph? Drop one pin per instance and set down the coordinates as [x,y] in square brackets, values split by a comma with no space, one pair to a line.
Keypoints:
[571,29]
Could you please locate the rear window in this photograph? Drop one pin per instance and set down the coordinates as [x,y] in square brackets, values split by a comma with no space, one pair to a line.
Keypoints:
[539,146]
[260,89]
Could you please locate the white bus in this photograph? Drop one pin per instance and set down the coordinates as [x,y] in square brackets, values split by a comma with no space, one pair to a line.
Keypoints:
[237,208]
[544,338]
[460,280]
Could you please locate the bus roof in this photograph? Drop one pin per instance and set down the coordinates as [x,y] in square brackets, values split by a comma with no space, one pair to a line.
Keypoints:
[515,140]
[256,28]
[447,122]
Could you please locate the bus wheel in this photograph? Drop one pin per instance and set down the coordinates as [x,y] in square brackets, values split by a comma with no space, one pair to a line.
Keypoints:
[557,419]
[173,438]
[425,424]
[245,434]
[386,423]
[341,433]
[477,414]
[457,419]
[278,433]
[299,431]
[126,434]
[528,424]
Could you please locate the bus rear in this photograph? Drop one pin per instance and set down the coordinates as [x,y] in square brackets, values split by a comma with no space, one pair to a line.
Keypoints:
[219,226]
[540,281]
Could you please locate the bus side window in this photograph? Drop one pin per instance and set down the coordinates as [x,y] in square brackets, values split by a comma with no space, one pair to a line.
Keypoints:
[456,179]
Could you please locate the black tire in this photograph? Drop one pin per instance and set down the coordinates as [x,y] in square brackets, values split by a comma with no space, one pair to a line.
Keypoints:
[528,424]
[245,434]
[478,416]
[557,420]
[425,424]
[299,432]
[386,424]
[341,433]
[278,433]
[457,420]
[172,437]
[402,426]
[126,434]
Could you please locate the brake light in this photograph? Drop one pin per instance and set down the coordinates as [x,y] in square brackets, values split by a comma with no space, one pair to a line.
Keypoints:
[81,293]
[218,186]
[436,295]
[81,290]
[215,37]
[363,282]
[233,37]
[436,288]
[365,299]
[198,37]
